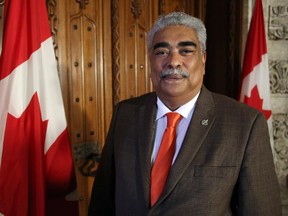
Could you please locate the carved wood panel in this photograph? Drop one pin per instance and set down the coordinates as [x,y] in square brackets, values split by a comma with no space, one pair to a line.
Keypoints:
[131,21]
[193,7]
[81,31]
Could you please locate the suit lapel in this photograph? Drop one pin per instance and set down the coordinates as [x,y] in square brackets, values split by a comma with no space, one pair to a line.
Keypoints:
[146,124]
[197,131]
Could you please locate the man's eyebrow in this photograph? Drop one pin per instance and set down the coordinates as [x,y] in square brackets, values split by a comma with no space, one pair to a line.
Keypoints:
[187,43]
[161,44]
[183,43]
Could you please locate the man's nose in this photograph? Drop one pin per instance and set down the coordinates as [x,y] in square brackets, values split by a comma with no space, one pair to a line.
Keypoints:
[174,60]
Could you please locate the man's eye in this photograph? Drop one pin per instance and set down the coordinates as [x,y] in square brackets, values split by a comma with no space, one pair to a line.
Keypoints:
[160,52]
[186,51]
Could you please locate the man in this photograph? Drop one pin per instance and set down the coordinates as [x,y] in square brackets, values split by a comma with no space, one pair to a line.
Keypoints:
[222,162]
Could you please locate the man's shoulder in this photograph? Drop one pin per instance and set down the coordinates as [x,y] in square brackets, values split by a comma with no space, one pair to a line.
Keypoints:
[145,99]
[224,103]
[228,103]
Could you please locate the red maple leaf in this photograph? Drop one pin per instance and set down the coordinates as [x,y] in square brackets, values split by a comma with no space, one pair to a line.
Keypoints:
[22,174]
[257,102]
[32,182]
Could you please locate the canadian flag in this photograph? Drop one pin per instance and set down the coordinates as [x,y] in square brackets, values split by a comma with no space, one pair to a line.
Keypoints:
[36,166]
[255,87]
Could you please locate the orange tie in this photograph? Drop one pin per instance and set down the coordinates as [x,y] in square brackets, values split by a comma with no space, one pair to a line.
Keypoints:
[164,157]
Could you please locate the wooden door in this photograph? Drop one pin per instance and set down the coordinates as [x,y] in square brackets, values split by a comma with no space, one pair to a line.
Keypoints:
[131,21]
[82,40]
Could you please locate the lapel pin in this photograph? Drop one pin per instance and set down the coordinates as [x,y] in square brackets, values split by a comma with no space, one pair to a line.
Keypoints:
[204,122]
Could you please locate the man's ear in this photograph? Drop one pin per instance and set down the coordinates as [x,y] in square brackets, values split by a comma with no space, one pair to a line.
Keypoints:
[204,61]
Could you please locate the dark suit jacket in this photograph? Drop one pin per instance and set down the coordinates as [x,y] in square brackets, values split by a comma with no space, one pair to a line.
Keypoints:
[225,165]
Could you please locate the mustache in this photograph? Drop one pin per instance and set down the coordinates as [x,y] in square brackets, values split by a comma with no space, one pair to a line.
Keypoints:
[174,71]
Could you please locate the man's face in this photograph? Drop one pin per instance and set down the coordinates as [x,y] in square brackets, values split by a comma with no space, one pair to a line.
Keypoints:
[177,47]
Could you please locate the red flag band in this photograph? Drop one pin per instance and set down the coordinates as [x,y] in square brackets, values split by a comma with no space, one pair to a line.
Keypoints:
[36,164]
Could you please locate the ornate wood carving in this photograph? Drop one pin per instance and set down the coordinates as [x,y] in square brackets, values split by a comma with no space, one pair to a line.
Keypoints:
[82,3]
[130,22]
[116,51]
[52,16]
[88,154]
[161,6]
[166,6]
[136,8]
[193,7]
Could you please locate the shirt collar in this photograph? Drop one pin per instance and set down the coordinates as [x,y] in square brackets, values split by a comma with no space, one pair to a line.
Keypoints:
[183,110]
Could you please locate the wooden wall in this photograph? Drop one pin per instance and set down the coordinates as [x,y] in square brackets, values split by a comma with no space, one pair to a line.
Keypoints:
[82,42]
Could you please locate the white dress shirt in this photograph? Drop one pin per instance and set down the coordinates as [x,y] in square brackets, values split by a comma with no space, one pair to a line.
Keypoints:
[186,111]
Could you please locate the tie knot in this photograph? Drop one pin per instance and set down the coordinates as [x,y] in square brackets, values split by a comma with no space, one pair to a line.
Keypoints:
[173,119]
